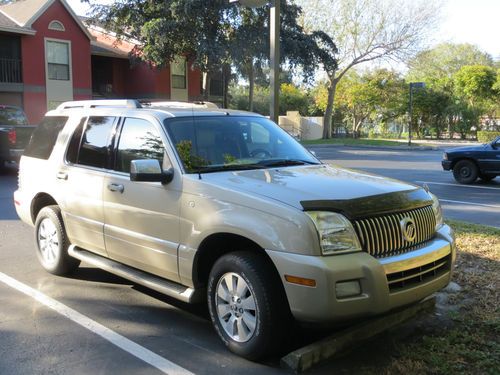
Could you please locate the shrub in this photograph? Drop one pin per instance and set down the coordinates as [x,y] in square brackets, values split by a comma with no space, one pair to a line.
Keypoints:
[486,136]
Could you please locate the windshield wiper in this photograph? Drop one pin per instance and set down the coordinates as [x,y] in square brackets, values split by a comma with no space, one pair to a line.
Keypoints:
[226,167]
[286,162]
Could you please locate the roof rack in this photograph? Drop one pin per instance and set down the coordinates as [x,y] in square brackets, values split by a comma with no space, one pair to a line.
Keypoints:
[174,104]
[126,103]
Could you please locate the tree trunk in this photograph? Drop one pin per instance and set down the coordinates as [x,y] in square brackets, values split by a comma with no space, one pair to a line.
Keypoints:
[251,82]
[226,76]
[327,120]
[206,85]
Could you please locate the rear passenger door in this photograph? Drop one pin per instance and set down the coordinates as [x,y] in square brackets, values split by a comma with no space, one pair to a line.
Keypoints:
[141,218]
[87,159]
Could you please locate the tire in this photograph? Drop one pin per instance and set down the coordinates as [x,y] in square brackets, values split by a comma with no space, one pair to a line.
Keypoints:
[465,172]
[52,243]
[486,177]
[259,327]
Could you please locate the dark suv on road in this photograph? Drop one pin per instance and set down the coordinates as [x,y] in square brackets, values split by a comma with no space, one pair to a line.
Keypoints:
[469,163]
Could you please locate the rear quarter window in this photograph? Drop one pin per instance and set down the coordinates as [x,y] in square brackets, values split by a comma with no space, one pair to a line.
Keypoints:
[45,136]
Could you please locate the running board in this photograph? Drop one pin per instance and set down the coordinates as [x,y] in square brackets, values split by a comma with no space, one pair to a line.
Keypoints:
[148,280]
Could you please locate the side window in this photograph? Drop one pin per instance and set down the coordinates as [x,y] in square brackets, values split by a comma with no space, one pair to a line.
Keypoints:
[94,144]
[45,136]
[259,133]
[139,139]
[74,143]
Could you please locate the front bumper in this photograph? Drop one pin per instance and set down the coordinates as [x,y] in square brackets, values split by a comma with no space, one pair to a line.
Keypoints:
[446,164]
[381,288]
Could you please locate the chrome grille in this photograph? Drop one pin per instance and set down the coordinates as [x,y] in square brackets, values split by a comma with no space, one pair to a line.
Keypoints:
[382,236]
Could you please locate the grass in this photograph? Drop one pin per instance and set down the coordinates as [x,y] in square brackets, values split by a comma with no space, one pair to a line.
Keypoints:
[466,340]
[358,141]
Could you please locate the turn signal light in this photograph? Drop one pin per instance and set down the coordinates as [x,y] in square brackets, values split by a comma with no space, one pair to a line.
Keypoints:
[300,280]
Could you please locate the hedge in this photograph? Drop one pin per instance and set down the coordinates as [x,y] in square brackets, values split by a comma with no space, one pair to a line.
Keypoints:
[485,137]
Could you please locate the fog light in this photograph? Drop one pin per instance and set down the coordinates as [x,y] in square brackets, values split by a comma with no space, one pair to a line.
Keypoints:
[346,289]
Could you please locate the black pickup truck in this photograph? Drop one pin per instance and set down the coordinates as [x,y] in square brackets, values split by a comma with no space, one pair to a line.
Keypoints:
[469,163]
[15,133]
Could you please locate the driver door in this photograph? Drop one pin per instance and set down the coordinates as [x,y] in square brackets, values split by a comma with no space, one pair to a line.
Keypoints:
[141,219]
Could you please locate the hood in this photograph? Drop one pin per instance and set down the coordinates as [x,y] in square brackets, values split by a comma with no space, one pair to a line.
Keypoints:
[324,187]
[468,148]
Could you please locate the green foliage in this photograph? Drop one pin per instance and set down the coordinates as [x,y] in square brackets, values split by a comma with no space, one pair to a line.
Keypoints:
[487,136]
[191,162]
[437,66]
[292,98]
[475,82]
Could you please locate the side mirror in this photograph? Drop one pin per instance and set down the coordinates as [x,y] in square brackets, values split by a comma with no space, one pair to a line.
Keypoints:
[149,170]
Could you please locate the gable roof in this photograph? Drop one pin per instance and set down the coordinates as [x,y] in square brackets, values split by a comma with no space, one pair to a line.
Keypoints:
[8,25]
[25,12]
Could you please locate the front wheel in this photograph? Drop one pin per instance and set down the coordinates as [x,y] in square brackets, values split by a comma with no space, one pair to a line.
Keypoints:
[52,243]
[247,305]
[465,172]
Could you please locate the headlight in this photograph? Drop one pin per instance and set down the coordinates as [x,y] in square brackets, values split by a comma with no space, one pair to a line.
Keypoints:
[438,213]
[445,156]
[336,233]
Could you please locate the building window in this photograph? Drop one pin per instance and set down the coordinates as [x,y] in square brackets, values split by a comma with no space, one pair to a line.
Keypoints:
[57,26]
[58,60]
[178,68]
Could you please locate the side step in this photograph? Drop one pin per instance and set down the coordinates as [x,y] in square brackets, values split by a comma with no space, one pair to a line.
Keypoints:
[148,280]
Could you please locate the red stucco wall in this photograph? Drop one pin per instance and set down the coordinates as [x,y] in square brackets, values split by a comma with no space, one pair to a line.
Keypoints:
[33,57]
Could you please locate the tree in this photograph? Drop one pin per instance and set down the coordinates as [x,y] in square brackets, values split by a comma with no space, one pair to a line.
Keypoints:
[475,82]
[250,45]
[211,34]
[368,30]
[437,66]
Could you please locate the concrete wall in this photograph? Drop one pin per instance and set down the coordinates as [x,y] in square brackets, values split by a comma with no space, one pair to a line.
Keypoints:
[305,128]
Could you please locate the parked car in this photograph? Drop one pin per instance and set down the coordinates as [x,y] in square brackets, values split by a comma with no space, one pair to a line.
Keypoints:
[224,206]
[470,162]
[14,133]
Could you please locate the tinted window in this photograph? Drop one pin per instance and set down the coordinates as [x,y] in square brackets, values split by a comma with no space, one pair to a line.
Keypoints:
[44,137]
[94,144]
[74,143]
[139,139]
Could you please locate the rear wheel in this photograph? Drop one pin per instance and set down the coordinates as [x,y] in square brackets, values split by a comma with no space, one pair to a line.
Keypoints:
[247,305]
[465,172]
[52,243]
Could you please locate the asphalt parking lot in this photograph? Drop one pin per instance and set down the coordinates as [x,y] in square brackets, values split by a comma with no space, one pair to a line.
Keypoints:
[94,322]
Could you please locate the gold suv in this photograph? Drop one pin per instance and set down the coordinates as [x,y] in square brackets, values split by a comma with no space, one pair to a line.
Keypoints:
[222,206]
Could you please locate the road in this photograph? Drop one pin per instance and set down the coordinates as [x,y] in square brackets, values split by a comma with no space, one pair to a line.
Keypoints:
[478,203]
[94,322]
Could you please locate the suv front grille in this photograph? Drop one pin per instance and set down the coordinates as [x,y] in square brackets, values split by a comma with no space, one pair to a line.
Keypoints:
[409,278]
[382,236]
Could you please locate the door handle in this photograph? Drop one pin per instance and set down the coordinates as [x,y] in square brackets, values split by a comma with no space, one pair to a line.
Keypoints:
[116,187]
[62,176]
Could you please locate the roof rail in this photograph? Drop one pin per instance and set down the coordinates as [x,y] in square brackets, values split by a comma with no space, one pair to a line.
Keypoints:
[127,103]
[174,104]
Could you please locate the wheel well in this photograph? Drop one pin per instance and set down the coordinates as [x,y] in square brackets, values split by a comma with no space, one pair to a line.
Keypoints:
[40,201]
[217,245]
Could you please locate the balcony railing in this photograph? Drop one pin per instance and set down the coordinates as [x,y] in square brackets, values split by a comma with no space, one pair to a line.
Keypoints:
[10,71]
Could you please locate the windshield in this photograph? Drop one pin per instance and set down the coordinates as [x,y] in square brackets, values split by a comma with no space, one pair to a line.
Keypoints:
[218,143]
[12,116]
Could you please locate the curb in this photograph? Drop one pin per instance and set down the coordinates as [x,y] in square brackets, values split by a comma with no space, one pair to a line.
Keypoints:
[318,352]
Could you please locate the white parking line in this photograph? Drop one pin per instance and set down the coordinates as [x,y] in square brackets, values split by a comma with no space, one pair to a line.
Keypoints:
[456,185]
[470,203]
[120,341]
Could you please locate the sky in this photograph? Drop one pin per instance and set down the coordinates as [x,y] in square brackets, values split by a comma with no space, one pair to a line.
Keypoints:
[464,21]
